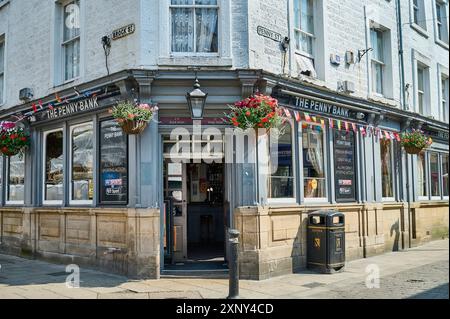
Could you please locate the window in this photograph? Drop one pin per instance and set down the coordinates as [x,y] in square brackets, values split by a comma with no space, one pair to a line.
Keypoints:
[314,181]
[434,172]
[345,166]
[304,26]
[113,164]
[418,12]
[444,98]
[378,60]
[194,26]
[422,105]
[387,164]
[281,181]
[53,167]
[422,190]
[2,69]
[82,164]
[441,22]
[71,40]
[445,165]
[15,189]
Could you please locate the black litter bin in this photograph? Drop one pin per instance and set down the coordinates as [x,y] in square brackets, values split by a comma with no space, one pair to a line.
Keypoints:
[326,241]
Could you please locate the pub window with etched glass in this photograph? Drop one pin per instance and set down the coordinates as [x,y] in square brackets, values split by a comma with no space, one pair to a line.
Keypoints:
[194,26]
[71,40]
[314,167]
[15,180]
[387,170]
[281,179]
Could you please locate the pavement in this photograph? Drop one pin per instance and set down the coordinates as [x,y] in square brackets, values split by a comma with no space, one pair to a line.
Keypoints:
[421,272]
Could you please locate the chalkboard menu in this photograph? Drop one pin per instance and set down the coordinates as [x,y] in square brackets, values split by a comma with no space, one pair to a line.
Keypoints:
[113,164]
[344,165]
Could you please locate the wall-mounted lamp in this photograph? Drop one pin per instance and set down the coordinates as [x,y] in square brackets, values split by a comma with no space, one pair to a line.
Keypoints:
[196,101]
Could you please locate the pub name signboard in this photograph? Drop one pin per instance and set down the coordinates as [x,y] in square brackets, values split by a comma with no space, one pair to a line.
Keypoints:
[69,109]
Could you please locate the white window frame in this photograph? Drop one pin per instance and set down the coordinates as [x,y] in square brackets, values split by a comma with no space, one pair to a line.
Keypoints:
[444,111]
[285,200]
[394,188]
[419,60]
[44,172]
[444,5]
[65,43]
[441,174]
[378,62]
[439,167]
[421,29]
[2,74]
[7,201]
[310,35]
[71,201]
[427,179]
[314,200]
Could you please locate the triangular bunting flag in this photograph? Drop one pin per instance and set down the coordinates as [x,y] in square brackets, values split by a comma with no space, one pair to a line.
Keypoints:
[288,114]
[331,123]
[339,124]
[297,116]
[307,117]
[354,127]
[34,107]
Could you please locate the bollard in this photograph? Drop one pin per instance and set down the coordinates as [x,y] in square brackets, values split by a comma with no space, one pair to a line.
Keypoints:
[234,264]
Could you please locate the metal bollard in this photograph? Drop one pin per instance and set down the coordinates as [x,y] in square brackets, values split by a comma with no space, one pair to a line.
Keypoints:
[234,264]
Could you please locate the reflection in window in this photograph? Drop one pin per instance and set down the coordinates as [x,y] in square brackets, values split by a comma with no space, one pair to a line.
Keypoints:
[281,181]
[53,189]
[434,171]
[421,175]
[445,174]
[314,184]
[113,163]
[82,163]
[16,179]
[387,178]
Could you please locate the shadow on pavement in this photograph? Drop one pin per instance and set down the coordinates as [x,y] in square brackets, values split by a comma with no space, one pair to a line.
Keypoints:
[439,292]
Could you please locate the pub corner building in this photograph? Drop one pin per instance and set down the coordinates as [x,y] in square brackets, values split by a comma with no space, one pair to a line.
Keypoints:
[86,193]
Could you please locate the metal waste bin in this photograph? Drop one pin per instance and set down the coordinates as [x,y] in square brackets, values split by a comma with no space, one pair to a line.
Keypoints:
[326,241]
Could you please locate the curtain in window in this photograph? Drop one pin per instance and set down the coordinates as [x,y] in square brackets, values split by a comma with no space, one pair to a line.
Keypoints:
[82,163]
[434,170]
[313,162]
[421,175]
[182,30]
[206,30]
[386,169]
[16,178]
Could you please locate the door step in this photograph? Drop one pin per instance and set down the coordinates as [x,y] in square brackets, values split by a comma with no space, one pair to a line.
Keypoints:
[195,273]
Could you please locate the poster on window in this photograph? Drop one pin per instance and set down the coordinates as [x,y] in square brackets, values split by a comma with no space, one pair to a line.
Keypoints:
[345,169]
[113,164]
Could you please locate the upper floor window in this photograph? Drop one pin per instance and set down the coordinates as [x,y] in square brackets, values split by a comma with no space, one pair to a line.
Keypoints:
[422,84]
[378,60]
[71,40]
[2,68]
[444,98]
[194,26]
[441,21]
[304,26]
[418,13]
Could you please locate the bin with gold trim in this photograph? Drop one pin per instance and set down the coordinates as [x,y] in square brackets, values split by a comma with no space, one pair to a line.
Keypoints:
[326,241]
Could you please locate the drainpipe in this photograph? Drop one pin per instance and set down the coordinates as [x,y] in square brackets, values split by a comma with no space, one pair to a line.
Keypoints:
[404,106]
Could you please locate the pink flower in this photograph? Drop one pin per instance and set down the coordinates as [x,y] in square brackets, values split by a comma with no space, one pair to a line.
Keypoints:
[8,125]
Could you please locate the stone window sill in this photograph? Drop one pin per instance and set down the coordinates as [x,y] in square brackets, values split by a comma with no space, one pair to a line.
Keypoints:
[4,3]
[420,30]
[195,60]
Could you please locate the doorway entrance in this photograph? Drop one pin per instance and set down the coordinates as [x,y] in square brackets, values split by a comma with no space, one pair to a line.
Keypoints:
[194,214]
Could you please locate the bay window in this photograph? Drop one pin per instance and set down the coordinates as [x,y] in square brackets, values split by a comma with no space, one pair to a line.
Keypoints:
[15,180]
[71,40]
[313,154]
[434,172]
[194,26]
[82,164]
[53,167]
[387,170]
[281,180]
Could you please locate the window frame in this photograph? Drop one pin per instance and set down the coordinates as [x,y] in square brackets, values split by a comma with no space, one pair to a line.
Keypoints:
[2,73]
[444,97]
[376,61]
[439,177]
[394,196]
[298,30]
[7,178]
[44,171]
[64,43]
[194,53]
[70,164]
[441,174]
[421,24]
[314,200]
[443,7]
[427,178]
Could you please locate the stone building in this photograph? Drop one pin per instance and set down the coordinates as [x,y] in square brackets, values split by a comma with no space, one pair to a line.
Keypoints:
[86,193]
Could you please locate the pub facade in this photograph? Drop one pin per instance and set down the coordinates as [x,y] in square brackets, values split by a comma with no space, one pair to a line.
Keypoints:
[161,202]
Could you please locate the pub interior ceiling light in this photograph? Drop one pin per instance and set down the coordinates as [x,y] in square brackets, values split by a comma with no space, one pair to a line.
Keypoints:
[196,101]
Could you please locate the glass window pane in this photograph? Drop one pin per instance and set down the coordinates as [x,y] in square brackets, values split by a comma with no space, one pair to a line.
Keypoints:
[387,178]
[281,181]
[82,162]
[314,183]
[376,37]
[182,30]
[307,16]
[297,13]
[72,20]
[377,77]
[207,30]
[445,164]
[54,166]
[421,175]
[182,2]
[16,178]
[2,57]
[113,163]
[344,165]
[1,88]
[206,2]
[434,172]
[72,60]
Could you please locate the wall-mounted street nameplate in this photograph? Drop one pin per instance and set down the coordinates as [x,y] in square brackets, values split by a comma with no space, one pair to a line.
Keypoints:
[124,31]
[264,32]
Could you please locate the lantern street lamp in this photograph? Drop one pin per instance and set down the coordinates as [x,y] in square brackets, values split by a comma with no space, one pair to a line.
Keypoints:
[196,101]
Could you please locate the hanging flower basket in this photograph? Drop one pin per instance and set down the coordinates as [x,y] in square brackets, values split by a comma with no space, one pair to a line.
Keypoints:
[13,139]
[133,118]
[415,141]
[256,112]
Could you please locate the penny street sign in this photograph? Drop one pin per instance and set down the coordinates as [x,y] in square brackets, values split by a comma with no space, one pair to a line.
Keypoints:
[264,32]
[124,31]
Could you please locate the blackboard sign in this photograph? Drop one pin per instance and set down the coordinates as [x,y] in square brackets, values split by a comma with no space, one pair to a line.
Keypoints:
[344,165]
[113,164]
